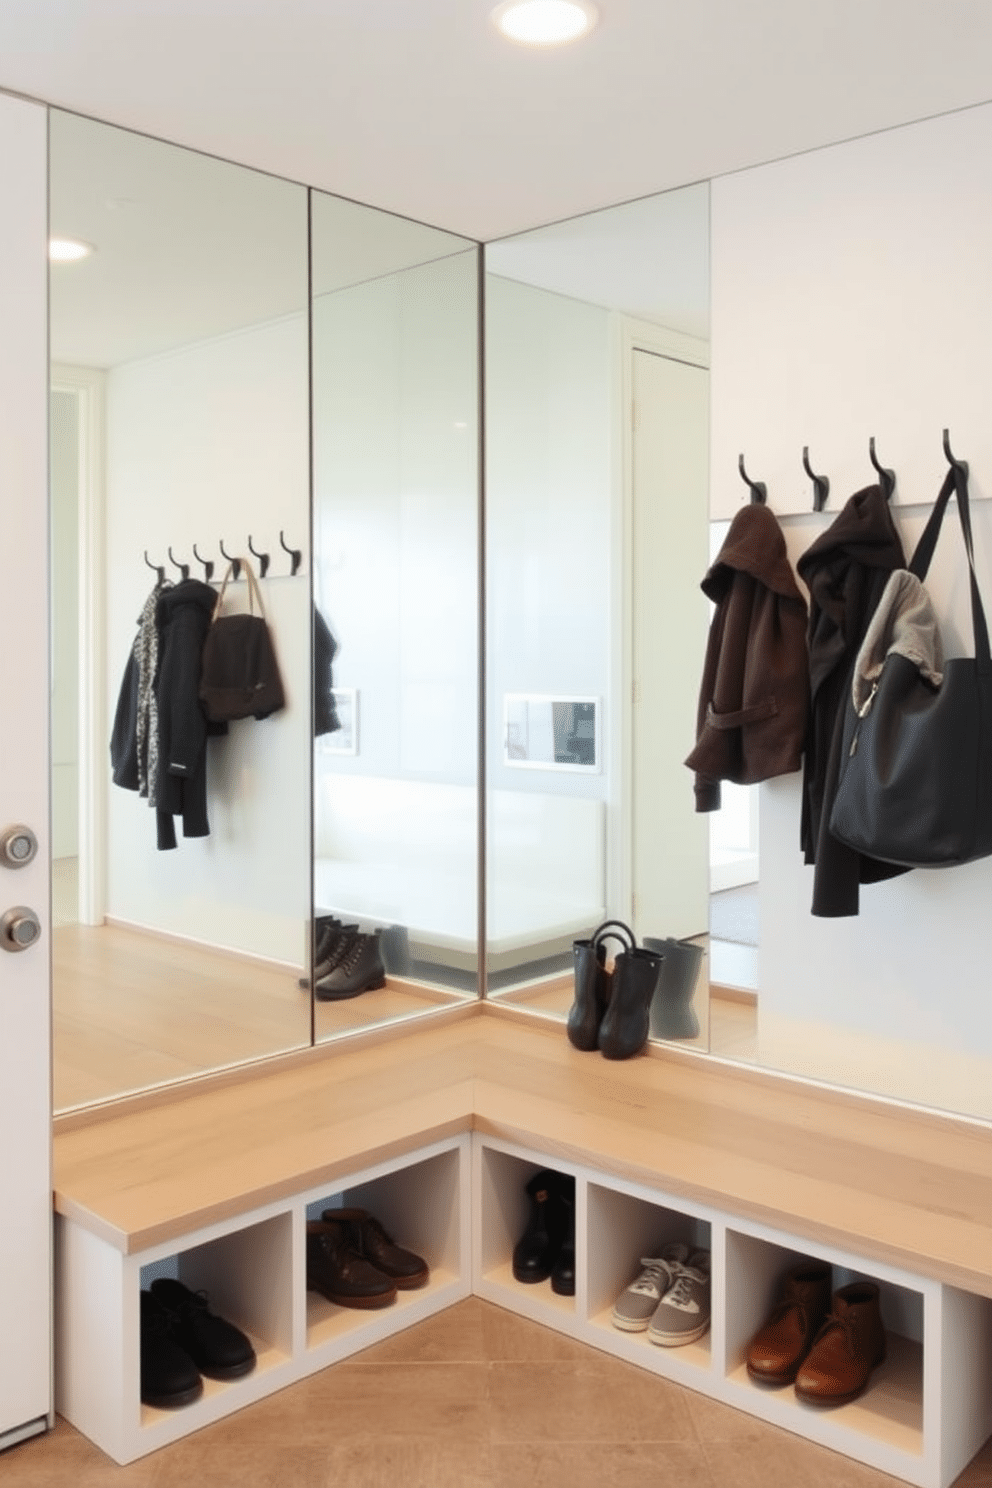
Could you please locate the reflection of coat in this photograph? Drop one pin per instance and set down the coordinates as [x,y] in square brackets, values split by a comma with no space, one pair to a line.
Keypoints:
[754,693]
[846,570]
[183,616]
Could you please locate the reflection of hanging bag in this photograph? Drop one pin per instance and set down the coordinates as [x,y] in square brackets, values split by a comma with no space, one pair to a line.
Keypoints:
[239,676]
[915,783]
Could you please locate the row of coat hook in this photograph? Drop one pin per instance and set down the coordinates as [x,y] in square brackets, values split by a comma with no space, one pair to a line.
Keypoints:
[821,485]
[264,559]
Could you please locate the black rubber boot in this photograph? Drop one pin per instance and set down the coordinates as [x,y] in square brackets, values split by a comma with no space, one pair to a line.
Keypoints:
[624,1029]
[563,1270]
[592,994]
[672,1015]
[536,1251]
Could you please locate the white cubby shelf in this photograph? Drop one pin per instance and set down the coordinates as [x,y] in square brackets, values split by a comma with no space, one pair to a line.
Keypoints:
[253,1268]
[927,1409]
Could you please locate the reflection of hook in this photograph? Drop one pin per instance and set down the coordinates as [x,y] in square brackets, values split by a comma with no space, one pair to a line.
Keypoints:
[236,562]
[182,567]
[208,565]
[759,491]
[294,553]
[263,559]
[961,465]
[155,568]
[821,486]
[888,476]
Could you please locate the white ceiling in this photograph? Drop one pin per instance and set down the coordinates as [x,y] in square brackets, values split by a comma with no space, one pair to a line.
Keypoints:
[423,109]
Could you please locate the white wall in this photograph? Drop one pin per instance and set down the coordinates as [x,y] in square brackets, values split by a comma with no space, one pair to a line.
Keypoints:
[852,297]
[205,444]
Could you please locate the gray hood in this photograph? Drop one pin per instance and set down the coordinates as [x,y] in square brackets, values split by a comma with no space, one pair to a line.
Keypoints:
[904,624]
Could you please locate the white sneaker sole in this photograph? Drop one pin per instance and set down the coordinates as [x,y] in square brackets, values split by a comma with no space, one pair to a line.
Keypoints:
[630,1325]
[672,1340]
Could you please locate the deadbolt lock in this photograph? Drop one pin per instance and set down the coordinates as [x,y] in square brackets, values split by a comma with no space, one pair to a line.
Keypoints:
[20,927]
[18,846]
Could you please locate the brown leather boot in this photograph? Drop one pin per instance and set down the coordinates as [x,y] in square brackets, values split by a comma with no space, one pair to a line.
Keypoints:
[780,1346]
[848,1347]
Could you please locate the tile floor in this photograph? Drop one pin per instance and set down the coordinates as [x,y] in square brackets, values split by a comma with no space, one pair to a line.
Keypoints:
[473,1398]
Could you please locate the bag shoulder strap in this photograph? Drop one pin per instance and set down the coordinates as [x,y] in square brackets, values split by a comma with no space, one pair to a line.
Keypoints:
[254,592]
[956,484]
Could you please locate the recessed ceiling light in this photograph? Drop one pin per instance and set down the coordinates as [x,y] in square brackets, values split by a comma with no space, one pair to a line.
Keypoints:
[68,250]
[545,22]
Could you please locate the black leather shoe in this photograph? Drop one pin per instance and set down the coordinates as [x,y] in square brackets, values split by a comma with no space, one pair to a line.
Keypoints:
[536,1251]
[218,1349]
[563,1270]
[368,1238]
[624,1029]
[359,970]
[331,946]
[339,1273]
[169,1378]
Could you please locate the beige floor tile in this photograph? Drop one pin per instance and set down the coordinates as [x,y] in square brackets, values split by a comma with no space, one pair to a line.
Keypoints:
[506,1336]
[587,1402]
[978,1473]
[453,1335]
[278,1464]
[786,1461]
[715,1422]
[407,1462]
[64,1456]
[596,1465]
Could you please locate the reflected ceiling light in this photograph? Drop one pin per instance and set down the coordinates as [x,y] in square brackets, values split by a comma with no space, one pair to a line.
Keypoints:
[545,22]
[68,250]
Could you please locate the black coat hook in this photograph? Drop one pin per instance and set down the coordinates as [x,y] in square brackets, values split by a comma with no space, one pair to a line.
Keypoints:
[294,553]
[759,491]
[263,559]
[235,561]
[961,465]
[208,565]
[155,568]
[888,477]
[182,567]
[821,485]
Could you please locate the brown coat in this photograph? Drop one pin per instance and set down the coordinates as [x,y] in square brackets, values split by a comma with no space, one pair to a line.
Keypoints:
[754,695]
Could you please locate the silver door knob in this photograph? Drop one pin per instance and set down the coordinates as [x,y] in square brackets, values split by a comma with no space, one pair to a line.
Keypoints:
[20,927]
[18,846]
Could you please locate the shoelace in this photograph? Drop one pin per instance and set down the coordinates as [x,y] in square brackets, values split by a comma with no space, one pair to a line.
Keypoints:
[682,1277]
[352,958]
[655,1278]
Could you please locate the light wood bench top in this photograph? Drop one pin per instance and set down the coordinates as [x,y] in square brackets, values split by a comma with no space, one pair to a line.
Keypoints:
[909,1187]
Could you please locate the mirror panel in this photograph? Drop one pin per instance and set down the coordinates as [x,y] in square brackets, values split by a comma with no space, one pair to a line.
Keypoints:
[395,451]
[179,352]
[596,542]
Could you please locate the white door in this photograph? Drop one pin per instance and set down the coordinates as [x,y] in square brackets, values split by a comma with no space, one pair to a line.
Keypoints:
[25,978]
[670,475]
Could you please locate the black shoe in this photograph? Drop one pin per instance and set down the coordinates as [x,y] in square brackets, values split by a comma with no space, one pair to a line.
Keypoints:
[218,1349]
[538,1248]
[624,1029]
[331,947]
[169,1378]
[563,1270]
[339,1273]
[367,1238]
[359,970]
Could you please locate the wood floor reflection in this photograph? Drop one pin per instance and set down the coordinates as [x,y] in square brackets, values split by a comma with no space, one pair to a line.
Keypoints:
[473,1398]
[133,1010]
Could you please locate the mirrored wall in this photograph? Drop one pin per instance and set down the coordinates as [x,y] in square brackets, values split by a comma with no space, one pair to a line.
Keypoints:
[597,437]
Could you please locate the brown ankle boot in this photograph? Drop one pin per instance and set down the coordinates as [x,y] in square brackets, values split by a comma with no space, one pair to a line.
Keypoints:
[803,1301]
[849,1346]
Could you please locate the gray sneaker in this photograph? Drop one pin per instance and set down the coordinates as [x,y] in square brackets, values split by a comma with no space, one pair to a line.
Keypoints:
[636,1306]
[683,1314]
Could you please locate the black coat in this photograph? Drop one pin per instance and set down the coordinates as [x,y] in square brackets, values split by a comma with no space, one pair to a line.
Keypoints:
[845,570]
[183,617]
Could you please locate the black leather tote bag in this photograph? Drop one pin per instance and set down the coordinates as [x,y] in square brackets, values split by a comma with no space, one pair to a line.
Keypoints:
[915,784]
[239,676]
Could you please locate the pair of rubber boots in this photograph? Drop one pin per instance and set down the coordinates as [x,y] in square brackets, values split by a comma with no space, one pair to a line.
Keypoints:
[547,1245]
[649,991]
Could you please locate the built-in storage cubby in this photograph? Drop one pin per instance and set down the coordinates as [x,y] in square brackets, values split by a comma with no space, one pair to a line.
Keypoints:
[253,1268]
[502,1209]
[927,1408]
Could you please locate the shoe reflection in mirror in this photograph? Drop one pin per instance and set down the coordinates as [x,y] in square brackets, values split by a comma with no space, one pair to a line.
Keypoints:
[672,1015]
[360,969]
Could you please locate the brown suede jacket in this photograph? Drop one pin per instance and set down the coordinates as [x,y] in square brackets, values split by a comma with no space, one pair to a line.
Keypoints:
[754,696]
